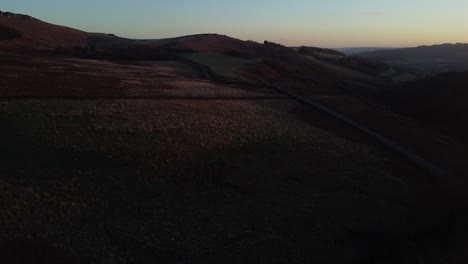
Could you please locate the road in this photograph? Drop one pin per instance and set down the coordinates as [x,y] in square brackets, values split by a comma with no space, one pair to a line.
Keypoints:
[437,172]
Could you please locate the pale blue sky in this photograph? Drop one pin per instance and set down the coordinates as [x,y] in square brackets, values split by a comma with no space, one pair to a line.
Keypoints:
[330,23]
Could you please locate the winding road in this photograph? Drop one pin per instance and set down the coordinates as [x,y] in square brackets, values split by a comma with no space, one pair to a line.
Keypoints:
[433,170]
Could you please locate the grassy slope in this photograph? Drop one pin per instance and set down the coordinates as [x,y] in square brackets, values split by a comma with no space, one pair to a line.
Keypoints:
[141,181]
[118,164]
[425,60]
[222,64]
[346,73]
[283,69]
[41,35]
[439,102]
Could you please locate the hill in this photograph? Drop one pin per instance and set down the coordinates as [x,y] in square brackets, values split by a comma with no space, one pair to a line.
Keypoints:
[438,102]
[304,63]
[267,63]
[198,42]
[317,51]
[113,47]
[425,60]
[354,51]
[36,34]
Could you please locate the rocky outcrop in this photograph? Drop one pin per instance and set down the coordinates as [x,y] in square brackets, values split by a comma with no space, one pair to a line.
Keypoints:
[13,15]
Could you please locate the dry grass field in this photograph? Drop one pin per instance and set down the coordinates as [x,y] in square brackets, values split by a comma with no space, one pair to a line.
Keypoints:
[222,65]
[196,172]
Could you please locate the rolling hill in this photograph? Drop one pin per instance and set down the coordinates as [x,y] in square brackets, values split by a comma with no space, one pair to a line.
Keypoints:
[36,34]
[275,62]
[438,101]
[425,60]
[354,51]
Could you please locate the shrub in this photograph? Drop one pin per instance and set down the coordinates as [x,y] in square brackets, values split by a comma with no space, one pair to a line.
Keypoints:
[8,33]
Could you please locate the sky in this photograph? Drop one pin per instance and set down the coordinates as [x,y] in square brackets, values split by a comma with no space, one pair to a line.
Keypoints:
[324,23]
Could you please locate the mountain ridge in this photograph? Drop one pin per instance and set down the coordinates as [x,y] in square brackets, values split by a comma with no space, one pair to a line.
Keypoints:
[426,59]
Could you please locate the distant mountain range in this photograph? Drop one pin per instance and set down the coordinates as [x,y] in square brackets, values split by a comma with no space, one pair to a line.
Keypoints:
[353,51]
[425,60]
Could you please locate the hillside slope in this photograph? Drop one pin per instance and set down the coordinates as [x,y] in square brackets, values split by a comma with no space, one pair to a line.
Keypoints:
[145,162]
[425,60]
[38,34]
[439,102]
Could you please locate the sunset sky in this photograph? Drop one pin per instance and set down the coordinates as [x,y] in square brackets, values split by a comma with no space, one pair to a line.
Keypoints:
[331,23]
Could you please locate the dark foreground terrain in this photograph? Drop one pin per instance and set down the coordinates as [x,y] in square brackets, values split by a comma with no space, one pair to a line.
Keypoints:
[440,101]
[198,157]
[155,165]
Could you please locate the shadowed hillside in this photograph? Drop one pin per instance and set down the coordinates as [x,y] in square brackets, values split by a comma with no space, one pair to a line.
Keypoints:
[353,51]
[8,33]
[101,46]
[314,51]
[439,102]
[425,60]
[37,34]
